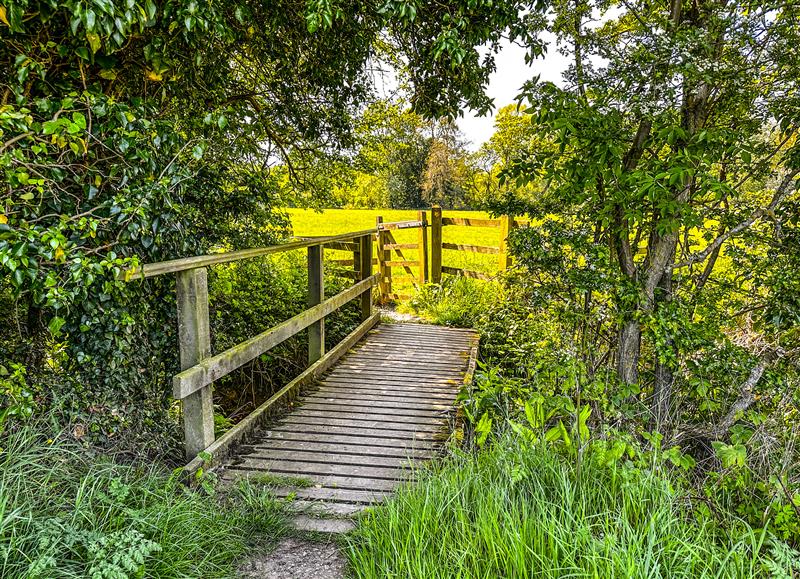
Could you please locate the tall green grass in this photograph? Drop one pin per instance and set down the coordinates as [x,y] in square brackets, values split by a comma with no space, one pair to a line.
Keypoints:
[64,514]
[516,513]
[457,301]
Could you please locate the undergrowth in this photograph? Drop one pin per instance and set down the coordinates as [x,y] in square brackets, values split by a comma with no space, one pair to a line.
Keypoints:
[519,511]
[66,514]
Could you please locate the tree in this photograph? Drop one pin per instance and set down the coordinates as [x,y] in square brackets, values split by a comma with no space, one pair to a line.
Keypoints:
[676,135]
[444,177]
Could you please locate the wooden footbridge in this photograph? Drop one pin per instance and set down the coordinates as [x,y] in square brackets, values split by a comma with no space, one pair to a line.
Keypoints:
[355,422]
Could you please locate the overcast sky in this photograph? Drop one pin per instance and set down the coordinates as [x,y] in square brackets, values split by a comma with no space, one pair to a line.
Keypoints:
[505,83]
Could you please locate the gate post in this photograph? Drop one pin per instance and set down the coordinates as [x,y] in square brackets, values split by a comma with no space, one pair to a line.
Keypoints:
[316,294]
[436,244]
[384,255]
[195,344]
[504,259]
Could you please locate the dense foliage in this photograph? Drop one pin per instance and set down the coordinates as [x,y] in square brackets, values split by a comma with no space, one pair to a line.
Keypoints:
[125,136]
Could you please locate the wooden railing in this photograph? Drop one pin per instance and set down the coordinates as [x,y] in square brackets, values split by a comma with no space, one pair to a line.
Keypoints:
[200,369]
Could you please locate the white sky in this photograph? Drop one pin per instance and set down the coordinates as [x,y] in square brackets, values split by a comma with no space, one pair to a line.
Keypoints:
[505,82]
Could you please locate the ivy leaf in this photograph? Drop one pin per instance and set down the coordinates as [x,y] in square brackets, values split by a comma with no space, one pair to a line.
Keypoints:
[55,326]
[94,41]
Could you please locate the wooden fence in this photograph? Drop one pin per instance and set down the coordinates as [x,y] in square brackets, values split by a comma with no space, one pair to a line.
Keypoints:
[200,369]
[428,262]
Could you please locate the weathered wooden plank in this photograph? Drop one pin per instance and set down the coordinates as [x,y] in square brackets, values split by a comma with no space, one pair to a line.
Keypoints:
[312,469]
[424,329]
[403,351]
[470,222]
[370,418]
[486,249]
[332,495]
[338,447]
[381,430]
[330,457]
[215,367]
[405,411]
[335,481]
[466,273]
[388,364]
[404,442]
[421,385]
[399,401]
[401,246]
[378,374]
[388,393]
[399,225]
[175,265]
[391,427]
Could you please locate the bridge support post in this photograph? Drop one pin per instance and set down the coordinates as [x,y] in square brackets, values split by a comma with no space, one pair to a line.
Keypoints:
[195,345]
[422,248]
[436,244]
[316,294]
[365,271]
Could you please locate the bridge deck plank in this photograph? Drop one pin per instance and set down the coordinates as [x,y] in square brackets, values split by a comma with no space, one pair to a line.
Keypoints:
[361,431]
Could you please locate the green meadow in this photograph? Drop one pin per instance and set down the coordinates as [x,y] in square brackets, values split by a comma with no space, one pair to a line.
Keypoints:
[308,222]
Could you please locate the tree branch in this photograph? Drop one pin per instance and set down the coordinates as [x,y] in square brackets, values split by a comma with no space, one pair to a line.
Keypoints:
[781,193]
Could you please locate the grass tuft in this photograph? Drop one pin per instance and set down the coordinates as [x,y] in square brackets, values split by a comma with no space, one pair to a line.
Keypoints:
[63,514]
[517,513]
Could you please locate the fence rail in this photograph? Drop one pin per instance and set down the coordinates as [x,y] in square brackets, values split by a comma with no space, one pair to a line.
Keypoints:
[200,369]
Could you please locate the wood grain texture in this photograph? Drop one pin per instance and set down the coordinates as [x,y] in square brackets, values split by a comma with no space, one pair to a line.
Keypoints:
[365,426]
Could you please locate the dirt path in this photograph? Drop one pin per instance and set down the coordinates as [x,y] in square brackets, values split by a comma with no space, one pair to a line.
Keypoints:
[296,558]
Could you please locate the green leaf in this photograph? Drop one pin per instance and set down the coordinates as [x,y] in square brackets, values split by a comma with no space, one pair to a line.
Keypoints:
[730,455]
[94,41]
[55,326]
[583,429]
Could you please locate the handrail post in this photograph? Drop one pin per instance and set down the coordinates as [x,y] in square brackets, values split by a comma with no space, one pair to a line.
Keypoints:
[422,248]
[504,259]
[436,244]
[316,294]
[384,255]
[195,344]
[365,269]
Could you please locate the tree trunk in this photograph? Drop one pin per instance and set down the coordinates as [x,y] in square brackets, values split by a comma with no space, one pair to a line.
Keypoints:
[664,376]
[630,337]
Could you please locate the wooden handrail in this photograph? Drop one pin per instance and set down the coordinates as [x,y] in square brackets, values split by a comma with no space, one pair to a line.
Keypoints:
[215,367]
[185,263]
